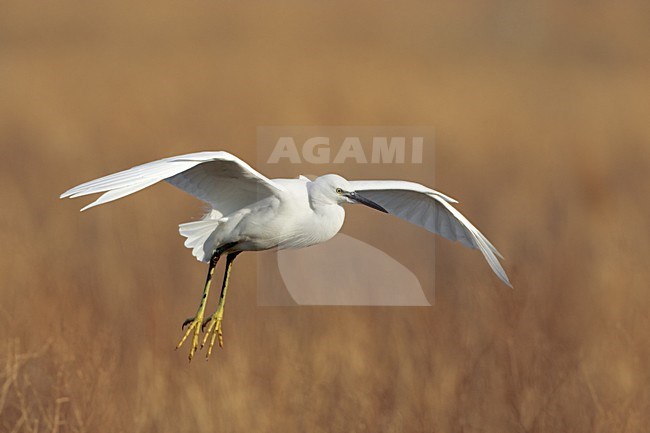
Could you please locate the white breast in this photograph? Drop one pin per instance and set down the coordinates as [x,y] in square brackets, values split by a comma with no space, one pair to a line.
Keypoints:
[289,222]
[317,226]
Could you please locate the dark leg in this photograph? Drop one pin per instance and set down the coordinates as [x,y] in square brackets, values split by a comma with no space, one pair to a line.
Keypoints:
[214,322]
[196,321]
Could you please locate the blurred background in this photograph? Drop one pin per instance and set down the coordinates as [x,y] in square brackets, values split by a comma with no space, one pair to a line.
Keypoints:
[542,131]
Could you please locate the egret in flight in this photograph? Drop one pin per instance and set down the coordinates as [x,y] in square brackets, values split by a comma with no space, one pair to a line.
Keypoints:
[249,212]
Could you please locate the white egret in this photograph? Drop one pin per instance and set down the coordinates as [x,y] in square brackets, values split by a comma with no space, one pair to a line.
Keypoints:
[250,212]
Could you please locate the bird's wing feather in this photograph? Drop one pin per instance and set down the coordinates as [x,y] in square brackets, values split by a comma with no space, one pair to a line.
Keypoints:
[431,210]
[218,178]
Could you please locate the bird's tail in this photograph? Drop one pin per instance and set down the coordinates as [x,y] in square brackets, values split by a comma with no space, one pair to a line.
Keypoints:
[200,235]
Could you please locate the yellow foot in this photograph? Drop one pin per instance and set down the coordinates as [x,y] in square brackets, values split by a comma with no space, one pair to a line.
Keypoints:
[214,330]
[194,328]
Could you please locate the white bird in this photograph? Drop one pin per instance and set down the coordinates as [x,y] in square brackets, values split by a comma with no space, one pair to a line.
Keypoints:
[250,212]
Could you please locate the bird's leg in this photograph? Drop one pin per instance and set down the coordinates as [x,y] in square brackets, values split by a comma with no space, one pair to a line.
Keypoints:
[196,321]
[214,321]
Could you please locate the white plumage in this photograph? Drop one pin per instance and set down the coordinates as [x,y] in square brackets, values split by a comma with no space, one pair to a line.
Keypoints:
[258,213]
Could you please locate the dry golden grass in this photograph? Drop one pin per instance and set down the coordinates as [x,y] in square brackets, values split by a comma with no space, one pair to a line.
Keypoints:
[542,127]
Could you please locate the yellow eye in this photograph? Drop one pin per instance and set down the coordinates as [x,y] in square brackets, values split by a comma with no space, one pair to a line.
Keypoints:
[339,191]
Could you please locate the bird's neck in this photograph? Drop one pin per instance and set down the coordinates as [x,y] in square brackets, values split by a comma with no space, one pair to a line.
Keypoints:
[329,218]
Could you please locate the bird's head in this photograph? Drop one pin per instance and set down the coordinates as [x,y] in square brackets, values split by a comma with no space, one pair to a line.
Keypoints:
[334,189]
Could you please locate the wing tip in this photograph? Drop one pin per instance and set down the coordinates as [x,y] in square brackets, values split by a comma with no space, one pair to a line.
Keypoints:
[70,194]
[497,268]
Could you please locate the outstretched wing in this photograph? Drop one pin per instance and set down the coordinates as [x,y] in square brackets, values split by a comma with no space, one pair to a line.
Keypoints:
[224,181]
[431,210]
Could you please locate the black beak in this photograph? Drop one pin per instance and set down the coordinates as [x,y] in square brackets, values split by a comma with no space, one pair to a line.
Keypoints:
[361,199]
